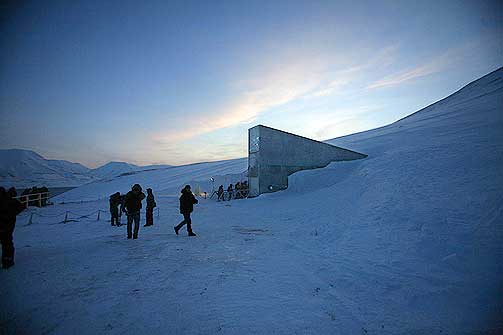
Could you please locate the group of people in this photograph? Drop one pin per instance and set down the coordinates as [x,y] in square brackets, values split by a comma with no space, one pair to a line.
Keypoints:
[238,191]
[131,204]
[10,207]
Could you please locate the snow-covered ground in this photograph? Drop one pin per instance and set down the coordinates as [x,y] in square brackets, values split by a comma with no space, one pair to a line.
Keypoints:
[407,241]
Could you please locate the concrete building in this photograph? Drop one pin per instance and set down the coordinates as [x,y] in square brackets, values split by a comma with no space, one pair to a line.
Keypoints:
[274,154]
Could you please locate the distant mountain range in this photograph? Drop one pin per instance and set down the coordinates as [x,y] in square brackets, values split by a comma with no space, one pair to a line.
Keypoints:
[25,168]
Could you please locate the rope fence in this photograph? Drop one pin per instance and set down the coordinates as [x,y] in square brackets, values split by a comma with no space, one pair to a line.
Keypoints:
[70,216]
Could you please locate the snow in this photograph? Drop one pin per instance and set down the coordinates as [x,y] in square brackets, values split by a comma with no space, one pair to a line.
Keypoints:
[164,181]
[407,241]
[26,168]
[114,169]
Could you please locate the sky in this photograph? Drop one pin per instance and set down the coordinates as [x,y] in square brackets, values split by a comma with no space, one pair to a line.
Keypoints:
[177,82]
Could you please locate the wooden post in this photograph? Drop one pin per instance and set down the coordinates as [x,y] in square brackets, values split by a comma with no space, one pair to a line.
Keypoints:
[31,219]
[158,215]
[40,200]
[66,218]
[99,211]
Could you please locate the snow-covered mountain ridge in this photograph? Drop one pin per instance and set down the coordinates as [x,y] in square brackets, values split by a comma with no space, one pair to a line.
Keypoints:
[26,168]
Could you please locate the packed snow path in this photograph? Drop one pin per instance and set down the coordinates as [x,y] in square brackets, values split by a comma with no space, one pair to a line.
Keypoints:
[407,241]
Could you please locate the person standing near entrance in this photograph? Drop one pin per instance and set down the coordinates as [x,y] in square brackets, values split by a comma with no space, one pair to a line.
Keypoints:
[220,193]
[187,201]
[132,206]
[230,191]
[149,216]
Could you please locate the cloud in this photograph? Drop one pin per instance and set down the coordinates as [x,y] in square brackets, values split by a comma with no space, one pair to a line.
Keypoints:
[404,76]
[347,76]
[438,64]
[255,96]
[329,89]
[342,121]
[274,85]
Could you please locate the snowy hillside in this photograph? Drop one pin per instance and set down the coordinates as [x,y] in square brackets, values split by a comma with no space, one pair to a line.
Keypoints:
[406,241]
[114,169]
[25,168]
[166,181]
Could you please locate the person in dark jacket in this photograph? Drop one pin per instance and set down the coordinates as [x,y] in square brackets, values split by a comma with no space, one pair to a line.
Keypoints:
[115,201]
[230,191]
[132,206]
[149,216]
[9,209]
[237,188]
[220,193]
[187,201]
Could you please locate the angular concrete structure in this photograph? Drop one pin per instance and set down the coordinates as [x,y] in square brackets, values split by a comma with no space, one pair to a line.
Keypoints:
[274,154]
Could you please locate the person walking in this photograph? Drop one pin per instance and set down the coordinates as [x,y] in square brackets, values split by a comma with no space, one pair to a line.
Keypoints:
[187,201]
[149,216]
[132,206]
[9,209]
[115,200]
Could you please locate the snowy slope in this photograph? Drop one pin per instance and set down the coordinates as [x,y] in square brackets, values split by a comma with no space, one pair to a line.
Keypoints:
[167,181]
[113,169]
[25,168]
[407,241]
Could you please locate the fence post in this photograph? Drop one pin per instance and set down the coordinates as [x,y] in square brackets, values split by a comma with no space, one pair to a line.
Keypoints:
[99,211]
[31,219]
[158,215]
[40,200]
[66,218]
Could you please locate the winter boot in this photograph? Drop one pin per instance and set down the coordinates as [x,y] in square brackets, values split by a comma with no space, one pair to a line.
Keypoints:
[192,234]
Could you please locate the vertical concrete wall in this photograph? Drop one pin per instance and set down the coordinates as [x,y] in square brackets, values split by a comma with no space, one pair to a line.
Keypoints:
[274,154]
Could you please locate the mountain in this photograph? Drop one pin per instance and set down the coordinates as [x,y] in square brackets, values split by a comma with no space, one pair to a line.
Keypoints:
[25,168]
[114,169]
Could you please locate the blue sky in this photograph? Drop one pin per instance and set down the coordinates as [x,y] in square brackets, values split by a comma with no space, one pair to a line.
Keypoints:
[181,82]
